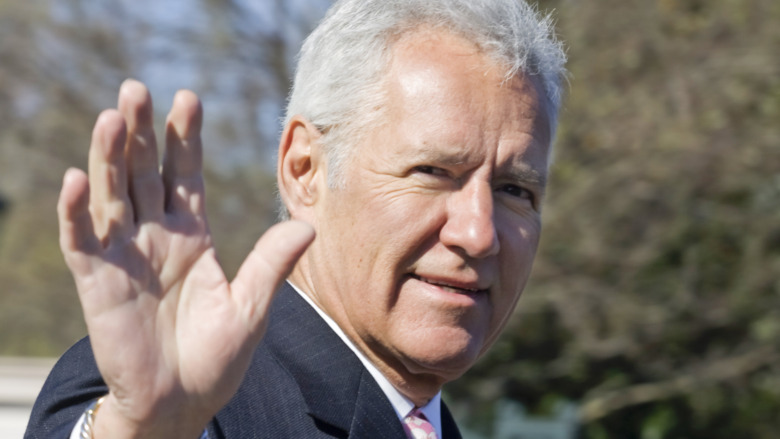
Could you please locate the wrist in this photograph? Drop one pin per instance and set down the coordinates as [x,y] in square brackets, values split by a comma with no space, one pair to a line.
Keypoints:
[112,423]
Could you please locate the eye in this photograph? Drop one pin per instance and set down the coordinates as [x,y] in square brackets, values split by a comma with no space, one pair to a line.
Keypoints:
[430,170]
[517,192]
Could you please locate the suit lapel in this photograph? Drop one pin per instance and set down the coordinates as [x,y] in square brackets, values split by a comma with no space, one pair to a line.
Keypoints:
[374,415]
[449,428]
[337,389]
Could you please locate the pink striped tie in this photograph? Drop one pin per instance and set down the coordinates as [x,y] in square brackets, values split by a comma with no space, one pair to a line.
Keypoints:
[417,427]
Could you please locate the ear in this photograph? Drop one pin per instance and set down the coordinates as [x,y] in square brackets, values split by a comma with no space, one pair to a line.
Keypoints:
[301,167]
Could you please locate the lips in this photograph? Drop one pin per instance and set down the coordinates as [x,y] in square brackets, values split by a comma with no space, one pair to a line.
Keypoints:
[452,286]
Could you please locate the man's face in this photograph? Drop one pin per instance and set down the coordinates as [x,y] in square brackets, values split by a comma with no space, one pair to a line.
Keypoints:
[423,252]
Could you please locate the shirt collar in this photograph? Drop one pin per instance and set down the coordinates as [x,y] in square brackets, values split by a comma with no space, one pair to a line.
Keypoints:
[400,403]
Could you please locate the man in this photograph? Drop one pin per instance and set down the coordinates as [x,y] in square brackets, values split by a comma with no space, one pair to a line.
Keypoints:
[416,147]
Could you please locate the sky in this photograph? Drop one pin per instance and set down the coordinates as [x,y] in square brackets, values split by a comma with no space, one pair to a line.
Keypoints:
[175,44]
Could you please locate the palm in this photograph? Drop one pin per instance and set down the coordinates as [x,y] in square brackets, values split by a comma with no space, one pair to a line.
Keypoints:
[166,286]
[172,337]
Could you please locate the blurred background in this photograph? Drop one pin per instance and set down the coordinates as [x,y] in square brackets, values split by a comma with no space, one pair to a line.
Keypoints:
[654,308]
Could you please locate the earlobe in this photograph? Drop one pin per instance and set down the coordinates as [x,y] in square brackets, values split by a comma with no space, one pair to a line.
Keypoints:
[300,165]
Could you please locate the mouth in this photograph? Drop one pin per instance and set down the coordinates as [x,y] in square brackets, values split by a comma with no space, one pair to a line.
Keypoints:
[453,287]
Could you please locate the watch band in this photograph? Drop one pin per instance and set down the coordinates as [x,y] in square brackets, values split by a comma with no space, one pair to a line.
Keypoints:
[88,426]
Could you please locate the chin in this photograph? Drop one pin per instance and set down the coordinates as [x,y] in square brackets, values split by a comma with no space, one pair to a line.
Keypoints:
[448,358]
[445,369]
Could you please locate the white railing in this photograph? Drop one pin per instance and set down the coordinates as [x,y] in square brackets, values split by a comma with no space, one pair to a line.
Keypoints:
[20,381]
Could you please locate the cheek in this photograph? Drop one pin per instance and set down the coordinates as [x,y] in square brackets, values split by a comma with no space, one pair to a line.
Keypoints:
[399,220]
[381,234]
[518,250]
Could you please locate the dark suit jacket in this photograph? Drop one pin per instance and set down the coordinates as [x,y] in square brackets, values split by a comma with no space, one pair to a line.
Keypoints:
[303,382]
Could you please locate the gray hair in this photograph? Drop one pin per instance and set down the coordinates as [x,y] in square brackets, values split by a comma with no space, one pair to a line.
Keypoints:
[338,84]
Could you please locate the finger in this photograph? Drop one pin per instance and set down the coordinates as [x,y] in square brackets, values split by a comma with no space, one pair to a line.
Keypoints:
[77,235]
[183,162]
[269,263]
[109,202]
[144,181]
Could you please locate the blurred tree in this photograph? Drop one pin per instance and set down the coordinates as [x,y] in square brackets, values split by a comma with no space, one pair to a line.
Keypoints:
[61,62]
[51,73]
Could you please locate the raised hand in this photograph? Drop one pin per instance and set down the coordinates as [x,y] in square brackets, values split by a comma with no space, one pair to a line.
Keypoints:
[171,335]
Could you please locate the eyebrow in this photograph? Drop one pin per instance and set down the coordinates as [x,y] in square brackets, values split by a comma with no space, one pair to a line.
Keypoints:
[448,158]
[527,174]
[518,170]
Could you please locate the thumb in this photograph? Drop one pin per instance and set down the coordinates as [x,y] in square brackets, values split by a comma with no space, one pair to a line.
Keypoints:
[269,263]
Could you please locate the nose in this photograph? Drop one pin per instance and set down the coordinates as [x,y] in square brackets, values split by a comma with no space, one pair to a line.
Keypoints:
[470,222]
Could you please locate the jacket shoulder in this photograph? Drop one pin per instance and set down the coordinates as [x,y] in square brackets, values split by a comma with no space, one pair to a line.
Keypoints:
[72,384]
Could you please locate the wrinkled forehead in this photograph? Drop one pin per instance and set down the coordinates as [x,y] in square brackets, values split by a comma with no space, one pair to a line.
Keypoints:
[428,61]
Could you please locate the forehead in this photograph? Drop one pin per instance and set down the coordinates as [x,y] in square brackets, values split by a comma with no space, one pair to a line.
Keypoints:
[439,84]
